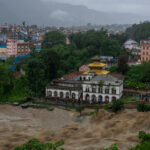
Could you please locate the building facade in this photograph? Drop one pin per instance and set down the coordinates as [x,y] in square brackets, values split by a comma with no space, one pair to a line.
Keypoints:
[23,48]
[12,47]
[145,51]
[86,85]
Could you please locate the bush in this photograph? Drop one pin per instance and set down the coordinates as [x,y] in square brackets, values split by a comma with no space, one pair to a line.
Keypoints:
[143,107]
[117,105]
[113,147]
[144,136]
[34,144]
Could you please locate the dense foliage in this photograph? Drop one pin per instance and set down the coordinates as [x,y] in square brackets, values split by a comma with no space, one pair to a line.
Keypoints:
[117,105]
[138,76]
[143,107]
[139,31]
[34,144]
[53,38]
[98,43]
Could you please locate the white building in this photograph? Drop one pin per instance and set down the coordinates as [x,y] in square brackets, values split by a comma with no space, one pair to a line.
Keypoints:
[130,44]
[87,87]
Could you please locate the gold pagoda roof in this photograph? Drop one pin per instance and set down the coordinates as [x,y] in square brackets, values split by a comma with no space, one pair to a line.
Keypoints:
[97,64]
[98,72]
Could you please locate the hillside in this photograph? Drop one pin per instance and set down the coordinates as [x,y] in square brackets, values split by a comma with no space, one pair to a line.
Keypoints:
[51,13]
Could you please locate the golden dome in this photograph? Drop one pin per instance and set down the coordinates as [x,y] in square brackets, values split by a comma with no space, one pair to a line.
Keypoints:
[98,72]
[97,64]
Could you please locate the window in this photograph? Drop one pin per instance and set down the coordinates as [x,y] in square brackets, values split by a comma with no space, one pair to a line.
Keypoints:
[100,90]
[94,90]
[106,91]
[87,89]
[113,91]
[73,95]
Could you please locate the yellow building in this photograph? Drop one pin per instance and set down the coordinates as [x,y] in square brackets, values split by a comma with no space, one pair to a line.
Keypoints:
[97,67]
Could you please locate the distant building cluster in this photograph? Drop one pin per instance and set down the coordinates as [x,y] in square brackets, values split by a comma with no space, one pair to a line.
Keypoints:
[17,40]
[139,51]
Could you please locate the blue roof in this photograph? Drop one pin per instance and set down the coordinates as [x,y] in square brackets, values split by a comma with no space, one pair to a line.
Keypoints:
[13,67]
[3,46]
[16,60]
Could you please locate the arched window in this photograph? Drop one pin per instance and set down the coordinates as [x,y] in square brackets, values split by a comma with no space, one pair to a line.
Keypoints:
[73,95]
[93,98]
[49,93]
[87,97]
[106,98]
[67,95]
[100,98]
[55,94]
[61,94]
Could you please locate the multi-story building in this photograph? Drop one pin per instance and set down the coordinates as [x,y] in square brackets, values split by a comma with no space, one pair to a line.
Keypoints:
[37,44]
[23,48]
[93,85]
[12,47]
[145,51]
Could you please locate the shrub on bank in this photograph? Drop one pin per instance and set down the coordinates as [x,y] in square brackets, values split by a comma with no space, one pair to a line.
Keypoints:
[34,144]
[113,147]
[117,105]
[143,107]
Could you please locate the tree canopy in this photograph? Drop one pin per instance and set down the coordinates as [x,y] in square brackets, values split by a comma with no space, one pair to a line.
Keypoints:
[139,31]
[53,38]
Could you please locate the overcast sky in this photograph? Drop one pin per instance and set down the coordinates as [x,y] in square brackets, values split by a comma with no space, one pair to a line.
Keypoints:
[141,7]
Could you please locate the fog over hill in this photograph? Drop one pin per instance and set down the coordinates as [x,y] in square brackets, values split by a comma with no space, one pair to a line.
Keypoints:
[58,14]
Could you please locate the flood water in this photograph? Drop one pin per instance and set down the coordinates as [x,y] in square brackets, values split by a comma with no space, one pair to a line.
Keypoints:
[18,125]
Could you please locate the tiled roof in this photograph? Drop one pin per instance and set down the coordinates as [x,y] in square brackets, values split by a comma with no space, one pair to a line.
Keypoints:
[119,76]
[71,75]
[104,78]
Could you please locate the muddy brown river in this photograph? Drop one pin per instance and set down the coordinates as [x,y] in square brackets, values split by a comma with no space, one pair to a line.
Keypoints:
[18,125]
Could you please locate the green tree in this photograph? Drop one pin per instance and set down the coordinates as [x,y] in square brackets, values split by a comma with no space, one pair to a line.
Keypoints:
[139,32]
[101,83]
[35,78]
[123,64]
[6,80]
[53,38]
[117,105]
[50,61]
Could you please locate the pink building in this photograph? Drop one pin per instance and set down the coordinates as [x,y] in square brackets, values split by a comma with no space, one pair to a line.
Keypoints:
[12,47]
[145,51]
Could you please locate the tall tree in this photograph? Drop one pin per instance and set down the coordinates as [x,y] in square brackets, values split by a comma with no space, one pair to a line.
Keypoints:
[53,38]
[123,64]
